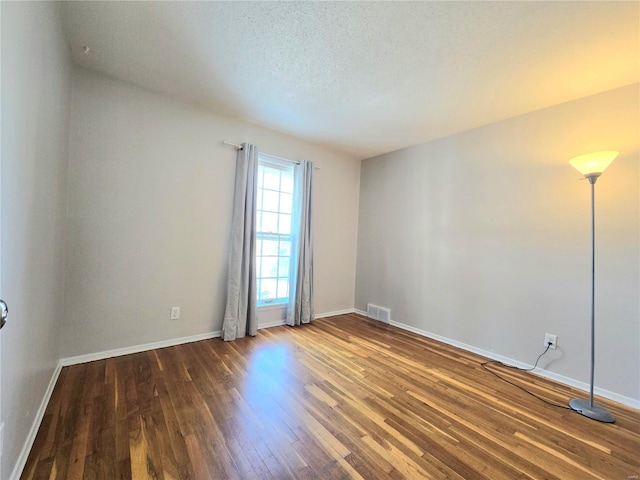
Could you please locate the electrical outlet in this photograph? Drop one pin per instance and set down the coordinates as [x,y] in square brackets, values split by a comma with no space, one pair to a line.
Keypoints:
[175,313]
[551,339]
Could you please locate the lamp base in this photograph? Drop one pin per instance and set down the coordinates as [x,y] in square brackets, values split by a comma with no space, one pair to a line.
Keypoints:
[597,412]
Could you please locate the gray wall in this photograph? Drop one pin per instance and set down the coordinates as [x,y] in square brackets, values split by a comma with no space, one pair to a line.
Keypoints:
[484,238]
[150,202]
[35,130]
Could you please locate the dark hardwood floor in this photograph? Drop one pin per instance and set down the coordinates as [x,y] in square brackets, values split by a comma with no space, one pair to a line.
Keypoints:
[341,398]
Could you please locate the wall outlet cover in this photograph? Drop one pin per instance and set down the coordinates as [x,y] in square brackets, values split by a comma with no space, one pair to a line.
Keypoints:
[551,339]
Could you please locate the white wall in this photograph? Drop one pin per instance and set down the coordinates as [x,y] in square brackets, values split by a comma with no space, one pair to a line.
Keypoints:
[484,238]
[35,128]
[150,202]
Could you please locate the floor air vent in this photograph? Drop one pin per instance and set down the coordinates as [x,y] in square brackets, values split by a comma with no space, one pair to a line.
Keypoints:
[378,313]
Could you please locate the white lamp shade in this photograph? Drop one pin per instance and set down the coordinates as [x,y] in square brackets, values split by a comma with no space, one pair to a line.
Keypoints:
[593,163]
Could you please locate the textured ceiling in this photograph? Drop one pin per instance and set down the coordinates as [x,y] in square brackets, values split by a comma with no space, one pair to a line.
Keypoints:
[363,77]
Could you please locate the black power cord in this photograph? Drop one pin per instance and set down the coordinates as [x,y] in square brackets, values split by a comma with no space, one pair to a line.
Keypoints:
[496,362]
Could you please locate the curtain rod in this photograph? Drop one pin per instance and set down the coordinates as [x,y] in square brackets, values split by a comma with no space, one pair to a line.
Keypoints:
[239,147]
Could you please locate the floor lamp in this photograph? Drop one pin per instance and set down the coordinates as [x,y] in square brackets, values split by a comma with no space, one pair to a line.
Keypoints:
[591,166]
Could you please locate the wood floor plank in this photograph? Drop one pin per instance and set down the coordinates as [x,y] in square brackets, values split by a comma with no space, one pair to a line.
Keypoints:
[342,398]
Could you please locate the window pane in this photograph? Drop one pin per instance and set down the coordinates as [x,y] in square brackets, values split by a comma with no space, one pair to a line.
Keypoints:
[283,267]
[286,202]
[268,289]
[271,179]
[258,247]
[269,266]
[269,222]
[287,183]
[260,175]
[270,247]
[283,288]
[285,224]
[270,201]
[259,199]
[285,248]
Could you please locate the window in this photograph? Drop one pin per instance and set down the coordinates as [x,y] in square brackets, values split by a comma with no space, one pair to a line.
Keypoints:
[274,208]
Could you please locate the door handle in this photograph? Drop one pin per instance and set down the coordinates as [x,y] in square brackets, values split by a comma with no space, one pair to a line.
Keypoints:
[5,313]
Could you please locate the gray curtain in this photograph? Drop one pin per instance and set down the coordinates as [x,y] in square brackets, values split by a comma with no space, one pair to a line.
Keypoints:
[240,312]
[301,296]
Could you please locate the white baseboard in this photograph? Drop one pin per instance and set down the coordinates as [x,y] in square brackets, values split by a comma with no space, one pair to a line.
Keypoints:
[279,323]
[334,313]
[28,443]
[275,323]
[90,357]
[616,397]
[630,402]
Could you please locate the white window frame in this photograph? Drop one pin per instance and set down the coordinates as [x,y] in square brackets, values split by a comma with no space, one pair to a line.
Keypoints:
[267,161]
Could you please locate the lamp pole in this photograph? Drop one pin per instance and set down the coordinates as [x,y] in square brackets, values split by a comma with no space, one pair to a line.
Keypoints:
[592,181]
[584,407]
